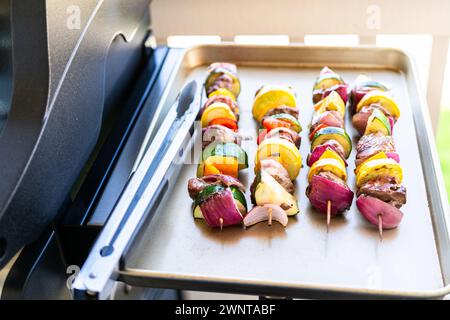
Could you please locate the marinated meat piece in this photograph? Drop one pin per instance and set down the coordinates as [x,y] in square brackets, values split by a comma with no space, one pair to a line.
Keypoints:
[360,118]
[223,180]
[386,190]
[333,177]
[219,133]
[371,144]
[283,109]
[279,173]
[223,65]
[359,121]
[223,81]
[222,99]
[336,146]
[329,118]
[196,185]
[341,89]
[284,133]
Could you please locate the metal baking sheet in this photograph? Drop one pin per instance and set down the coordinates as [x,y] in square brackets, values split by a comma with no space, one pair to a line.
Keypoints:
[303,260]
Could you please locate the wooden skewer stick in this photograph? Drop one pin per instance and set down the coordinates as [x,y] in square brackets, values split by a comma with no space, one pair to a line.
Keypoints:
[270,217]
[221,223]
[380,227]
[328,214]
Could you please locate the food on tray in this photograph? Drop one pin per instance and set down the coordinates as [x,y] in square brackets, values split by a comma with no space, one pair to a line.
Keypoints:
[379,175]
[222,92]
[379,168]
[330,147]
[219,207]
[226,150]
[215,111]
[282,150]
[222,158]
[219,133]
[196,185]
[281,133]
[217,193]
[270,97]
[218,165]
[269,191]
[377,122]
[332,135]
[328,163]
[283,109]
[278,160]
[378,212]
[284,120]
[223,98]
[326,188]
[363,85]
[320,149]
[222,76]
[379,103]
[371,144]
[328,82]
[267,212]
[383,100]
[278,172]
[211,190]
[332,102]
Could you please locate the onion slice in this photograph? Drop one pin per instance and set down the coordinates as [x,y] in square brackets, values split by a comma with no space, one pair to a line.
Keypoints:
[391,123]
[318,151]
[394,156]
[371,207]
[262,213]
[341,89]
[221,207]
[321,190]
[357,95]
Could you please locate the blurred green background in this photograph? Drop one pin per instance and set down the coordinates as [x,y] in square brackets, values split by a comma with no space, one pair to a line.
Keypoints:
[443,145]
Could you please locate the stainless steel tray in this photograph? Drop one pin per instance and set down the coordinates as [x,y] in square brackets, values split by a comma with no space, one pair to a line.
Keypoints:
[303,260]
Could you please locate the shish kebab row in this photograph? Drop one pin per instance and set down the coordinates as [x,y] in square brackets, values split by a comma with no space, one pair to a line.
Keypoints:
[328,191]
[217,193]
[378,172]
[379,175]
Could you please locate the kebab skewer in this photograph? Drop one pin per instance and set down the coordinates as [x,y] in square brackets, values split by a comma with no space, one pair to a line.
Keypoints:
[278,160]
[217,193]
[378,172]
[328,191]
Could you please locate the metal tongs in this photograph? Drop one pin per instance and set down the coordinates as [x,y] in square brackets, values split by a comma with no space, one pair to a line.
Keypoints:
[148,182]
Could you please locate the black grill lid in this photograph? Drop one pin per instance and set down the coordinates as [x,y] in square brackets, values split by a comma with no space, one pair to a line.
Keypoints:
[61,84]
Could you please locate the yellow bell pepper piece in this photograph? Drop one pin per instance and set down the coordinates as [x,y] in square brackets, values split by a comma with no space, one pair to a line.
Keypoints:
[377,168]
[216,110]
[270,97]
[328,165]
[383,99]
[379,155]
[333,102]
[331,154]
[222,92]
[285,152]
